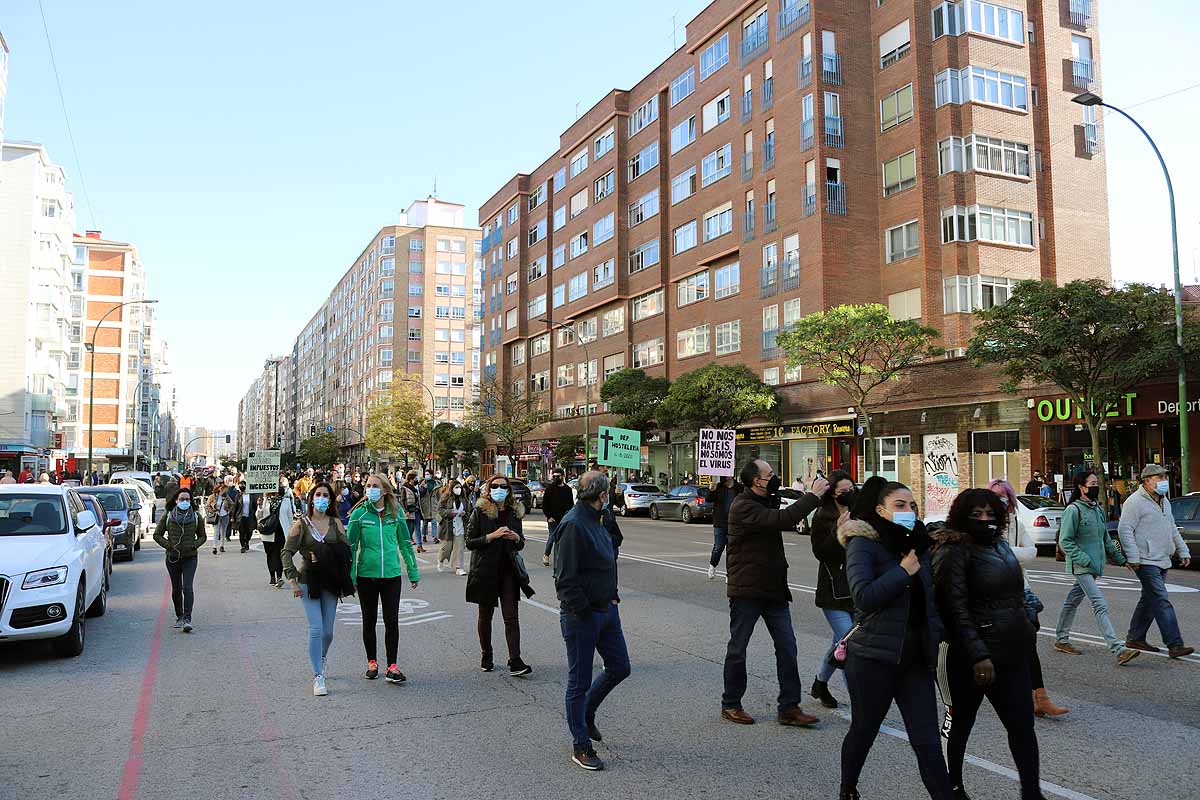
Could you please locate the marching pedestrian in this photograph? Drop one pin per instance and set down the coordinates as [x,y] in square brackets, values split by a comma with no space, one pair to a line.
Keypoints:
[180,532]
[379,539]
[429,502]
[756,584]
[410,501]
[833,587]
[585,579]
[345,502]
[1085,542]
[498,575]
[556,502]
[452,526]
[980,592]
[313,536]
[891,655]
[276,513]
[1150,538]
[219,510]
[1035,483]
[722,495]
[247,518]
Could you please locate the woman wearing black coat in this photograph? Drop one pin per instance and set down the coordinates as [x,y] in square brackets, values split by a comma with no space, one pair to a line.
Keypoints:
[892,655]
[494,538]
[833,587]
[981,596]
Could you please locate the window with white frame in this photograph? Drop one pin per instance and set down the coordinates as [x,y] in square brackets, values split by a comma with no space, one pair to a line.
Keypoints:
[536,269]
[513,212]
[577,286]
[537,232]
[559,256]
[537,196]
[683,134]
[415,290]
[585,330]
[566,336]
[726,280]
[539,345]
[716,165]
[791,312]
[579,244]
[644,208]
[692,342]
[605,185]
[579,163]
[771,376]
[718,222]
[510,319]
[980,85]
[510,286]
[512,248]
[715,56]
[587,372]
[978,16]
[537,306]
[565,375]
[967,293]
[613,363]
[603,274]
[539,381]
[646,113]
[648,353]
[604,228]
[729,337]
[387,266]
[716,111]
[613,321]
[683,85]
[896,107]
[643,256]
[987,224]
[518,353]
[892,450]
[414,312]
[646,305]
[894,44]
[685,237]
[560,179]
[902,241]
[770,318]
[559,295]
[905,305]
[579,203]
[691,289]
[604,142]
[644,161]
[900,173]
[560,217]
[683,185]
[983,154]
[791,374]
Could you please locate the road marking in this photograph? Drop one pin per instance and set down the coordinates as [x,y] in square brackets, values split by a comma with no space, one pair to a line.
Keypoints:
[542,606]
[1108,582]
[421,620]
[1098,641]
[132,774]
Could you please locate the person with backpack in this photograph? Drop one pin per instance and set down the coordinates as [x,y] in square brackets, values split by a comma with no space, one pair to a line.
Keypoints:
[409,497]
[276,512]
[428,491]
[180,532]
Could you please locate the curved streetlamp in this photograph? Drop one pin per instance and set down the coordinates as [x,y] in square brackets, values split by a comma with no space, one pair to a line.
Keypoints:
[1090,99]
[91,348]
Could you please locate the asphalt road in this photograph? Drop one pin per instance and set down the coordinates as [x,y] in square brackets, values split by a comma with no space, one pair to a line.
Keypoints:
[227,712]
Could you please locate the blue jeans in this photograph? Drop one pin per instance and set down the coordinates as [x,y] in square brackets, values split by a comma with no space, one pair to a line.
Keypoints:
[428,529]
[1155,607]
[413,534]
[552,527]
[585,635]
[1085,586]
[720,539]
[840,622]
[321,612]
[744,614]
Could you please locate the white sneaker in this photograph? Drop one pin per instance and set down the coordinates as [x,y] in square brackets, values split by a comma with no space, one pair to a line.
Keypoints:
[319,689]
[712,572]
[460,572]
[441,567]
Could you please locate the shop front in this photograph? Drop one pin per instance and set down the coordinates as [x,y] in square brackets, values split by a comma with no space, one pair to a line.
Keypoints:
[801,449]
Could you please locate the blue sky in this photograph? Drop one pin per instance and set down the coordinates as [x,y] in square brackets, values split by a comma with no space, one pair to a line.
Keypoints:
[250,149]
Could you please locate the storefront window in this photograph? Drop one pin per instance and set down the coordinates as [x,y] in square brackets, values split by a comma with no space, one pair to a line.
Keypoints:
[893,463]
[995,455]
[807,457]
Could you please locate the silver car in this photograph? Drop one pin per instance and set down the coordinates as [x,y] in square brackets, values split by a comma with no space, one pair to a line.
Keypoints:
[638,497]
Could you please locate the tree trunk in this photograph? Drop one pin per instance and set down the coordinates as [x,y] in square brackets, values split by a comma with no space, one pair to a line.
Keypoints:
[870,442]
[1093,424]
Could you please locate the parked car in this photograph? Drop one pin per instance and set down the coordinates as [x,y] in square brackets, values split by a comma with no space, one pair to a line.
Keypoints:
[537,490]
[52,555]
[125,476]
[520,490]
[638,497]
[127,529]
[145,501]
[92,504]
[684,503]
[1186,511]
[1038,521]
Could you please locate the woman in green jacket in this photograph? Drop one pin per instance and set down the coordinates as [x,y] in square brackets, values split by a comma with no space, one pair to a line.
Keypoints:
[180,532]
[1085,541]
[379,539]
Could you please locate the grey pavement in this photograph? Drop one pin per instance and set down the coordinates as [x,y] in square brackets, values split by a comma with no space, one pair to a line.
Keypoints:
[227,712]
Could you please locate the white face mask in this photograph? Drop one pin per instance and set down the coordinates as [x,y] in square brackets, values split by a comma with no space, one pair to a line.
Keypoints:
[458,490]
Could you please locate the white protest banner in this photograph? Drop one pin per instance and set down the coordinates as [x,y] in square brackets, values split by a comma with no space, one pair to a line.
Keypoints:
[262,471]
[716,452]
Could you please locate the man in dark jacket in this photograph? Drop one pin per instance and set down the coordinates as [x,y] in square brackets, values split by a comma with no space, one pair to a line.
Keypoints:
[585,577]
[757,588]
[556,502]
[1035,485]
[722,497]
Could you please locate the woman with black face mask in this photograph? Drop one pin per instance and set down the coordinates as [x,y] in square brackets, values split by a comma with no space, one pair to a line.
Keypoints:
[833,588]
[980,594]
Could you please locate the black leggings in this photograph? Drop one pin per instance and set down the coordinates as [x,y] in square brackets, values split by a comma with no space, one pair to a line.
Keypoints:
[274,557]
[1035,667]
[371,591]
[182,573]
[1012,698]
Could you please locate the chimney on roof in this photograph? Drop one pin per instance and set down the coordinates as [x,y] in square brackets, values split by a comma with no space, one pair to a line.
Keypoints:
[92,234]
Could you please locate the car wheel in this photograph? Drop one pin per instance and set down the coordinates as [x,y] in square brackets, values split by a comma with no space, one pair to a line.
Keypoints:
[685,515]
[100,604]
[71,643]
[653,511]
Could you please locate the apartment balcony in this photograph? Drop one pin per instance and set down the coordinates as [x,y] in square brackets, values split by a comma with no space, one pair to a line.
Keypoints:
[806,134]
[748,225]
[810,200]
[485,244]
[1081,73]
[835,135]
[770,220]
[791,273]
[831,68]
[747,166]
[41,438]
[1081,13]
[768,154]
[41,402]
[805,72]
[768,94]
[754,44]
[1091,138]
[792,19]
[747,105]
[835,197]
[770,345]
[769,281]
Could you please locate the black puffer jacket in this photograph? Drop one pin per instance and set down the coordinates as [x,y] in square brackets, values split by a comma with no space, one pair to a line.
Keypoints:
[981,596]
[757,568]
[833,587]
[882,589]
[488,558]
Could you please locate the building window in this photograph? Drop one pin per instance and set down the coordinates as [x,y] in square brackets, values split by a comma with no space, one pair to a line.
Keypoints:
[416,267]
[603,274]
[565,375]
[645,114]
[643,256]
[513,212]
[613,321]
[718,222]
[988,224]
[716,165]
[983,154]
[559,297]
[968,293]
[604,228]
[683,86]
[791,312]
[645,208]
[560,217]
[896,107]
[692,342]
[606,185]
[512,248]
[683,134]
[646,305]
[537,306]
[894,45]
[683,185]
[989,19]
[692,289]
[893,455]
[603,143]
[771,376]
[585,330]
[560,179]
[726,280]
[579,203]
[716,111]
[715,56]
[579,163]
[905,305]
[535,270]
[644,161]
[902,241]
[566,336]
[537,232]
[387,266]
[510,285]
[518,353]
[979,85]
[539,345]
[560,256]
[537,196]
[414,312]
[416,245]
[729,337]
[900,173]
[510,319]
[539,381]
[649,353]
[685,237]
[587,372]
[579,244]
[613,363]
[577,286]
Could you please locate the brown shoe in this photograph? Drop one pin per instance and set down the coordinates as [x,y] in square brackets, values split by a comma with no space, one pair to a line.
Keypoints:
[1068,648]
[1125,656]
[1043,706]
[737,715]
[797,718]
[1180,651]
[1139,644]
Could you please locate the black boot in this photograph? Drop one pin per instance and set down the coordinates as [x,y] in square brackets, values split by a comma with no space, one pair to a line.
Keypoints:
[849,793]
[820,691]
[959,793]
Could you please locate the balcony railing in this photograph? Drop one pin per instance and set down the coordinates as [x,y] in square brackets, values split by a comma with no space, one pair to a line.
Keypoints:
[770,220]
[793,19]
[770,281]
[753,43]
[1081,12]
[768,94]
[747,166]
[1081,73]
[768,154]
[805,71]
[770,344]
[806,134]
[831,67]
[834,133]
[810,200]
[748,225]
[835,195]
[747,105]
[791,273]
[1091,138]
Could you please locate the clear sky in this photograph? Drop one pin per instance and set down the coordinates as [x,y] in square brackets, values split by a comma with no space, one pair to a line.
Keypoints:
[251,149]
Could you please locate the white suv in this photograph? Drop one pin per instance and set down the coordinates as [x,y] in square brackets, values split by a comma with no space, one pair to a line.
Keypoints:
[51,566]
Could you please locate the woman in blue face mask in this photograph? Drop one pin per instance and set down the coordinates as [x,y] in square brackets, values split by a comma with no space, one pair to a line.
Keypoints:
[892,652]
[180,532]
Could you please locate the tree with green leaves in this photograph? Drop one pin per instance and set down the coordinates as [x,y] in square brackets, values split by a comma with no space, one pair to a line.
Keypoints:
[568,448]
[320,450]
[718,396]
[860,350]
[459,444]
[504,415]
[1092,340]
[635,398]
[399,422]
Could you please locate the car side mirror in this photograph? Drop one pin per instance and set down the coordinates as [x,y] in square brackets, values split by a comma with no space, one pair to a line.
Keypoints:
[137,507]
[85,522]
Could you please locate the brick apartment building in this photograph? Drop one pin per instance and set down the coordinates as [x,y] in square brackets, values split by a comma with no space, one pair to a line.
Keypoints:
[793,156]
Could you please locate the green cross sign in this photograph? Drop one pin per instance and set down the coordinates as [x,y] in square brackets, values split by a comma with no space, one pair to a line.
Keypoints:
[619,448]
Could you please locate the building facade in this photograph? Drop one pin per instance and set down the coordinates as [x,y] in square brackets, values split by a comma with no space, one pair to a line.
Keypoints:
[791,157]
[3,83]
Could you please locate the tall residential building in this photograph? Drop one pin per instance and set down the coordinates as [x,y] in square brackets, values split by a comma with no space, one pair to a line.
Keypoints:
[406,309]
[260,412]
[3,83]
[37,215]
[791,157]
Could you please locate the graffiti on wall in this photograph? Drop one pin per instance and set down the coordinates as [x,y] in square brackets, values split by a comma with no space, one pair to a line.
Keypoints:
[941,473]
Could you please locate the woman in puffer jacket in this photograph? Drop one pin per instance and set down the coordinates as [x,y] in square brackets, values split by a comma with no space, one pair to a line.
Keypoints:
[980,593]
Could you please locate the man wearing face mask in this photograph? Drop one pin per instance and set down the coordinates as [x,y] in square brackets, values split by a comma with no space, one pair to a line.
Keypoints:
[1150,538]
[757,588]
[556,502]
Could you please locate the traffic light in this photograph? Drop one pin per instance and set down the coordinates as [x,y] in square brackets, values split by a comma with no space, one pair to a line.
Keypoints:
[227,438]
[312,430]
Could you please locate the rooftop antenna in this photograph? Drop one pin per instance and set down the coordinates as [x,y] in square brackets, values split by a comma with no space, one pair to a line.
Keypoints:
[434,195]
[576,109]
[674,31]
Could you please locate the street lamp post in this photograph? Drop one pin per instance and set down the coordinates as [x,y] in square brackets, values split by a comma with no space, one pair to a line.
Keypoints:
[137,423]
[91,348]
[432,414]
[587,386]
[1090,99]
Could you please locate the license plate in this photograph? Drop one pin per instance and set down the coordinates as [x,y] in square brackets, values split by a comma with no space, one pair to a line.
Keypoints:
[119,547]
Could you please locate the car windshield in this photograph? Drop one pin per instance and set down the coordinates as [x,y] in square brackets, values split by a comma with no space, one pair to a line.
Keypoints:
[1033,502]
[641,487]
[132,494]
[31,515]
[112,501]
